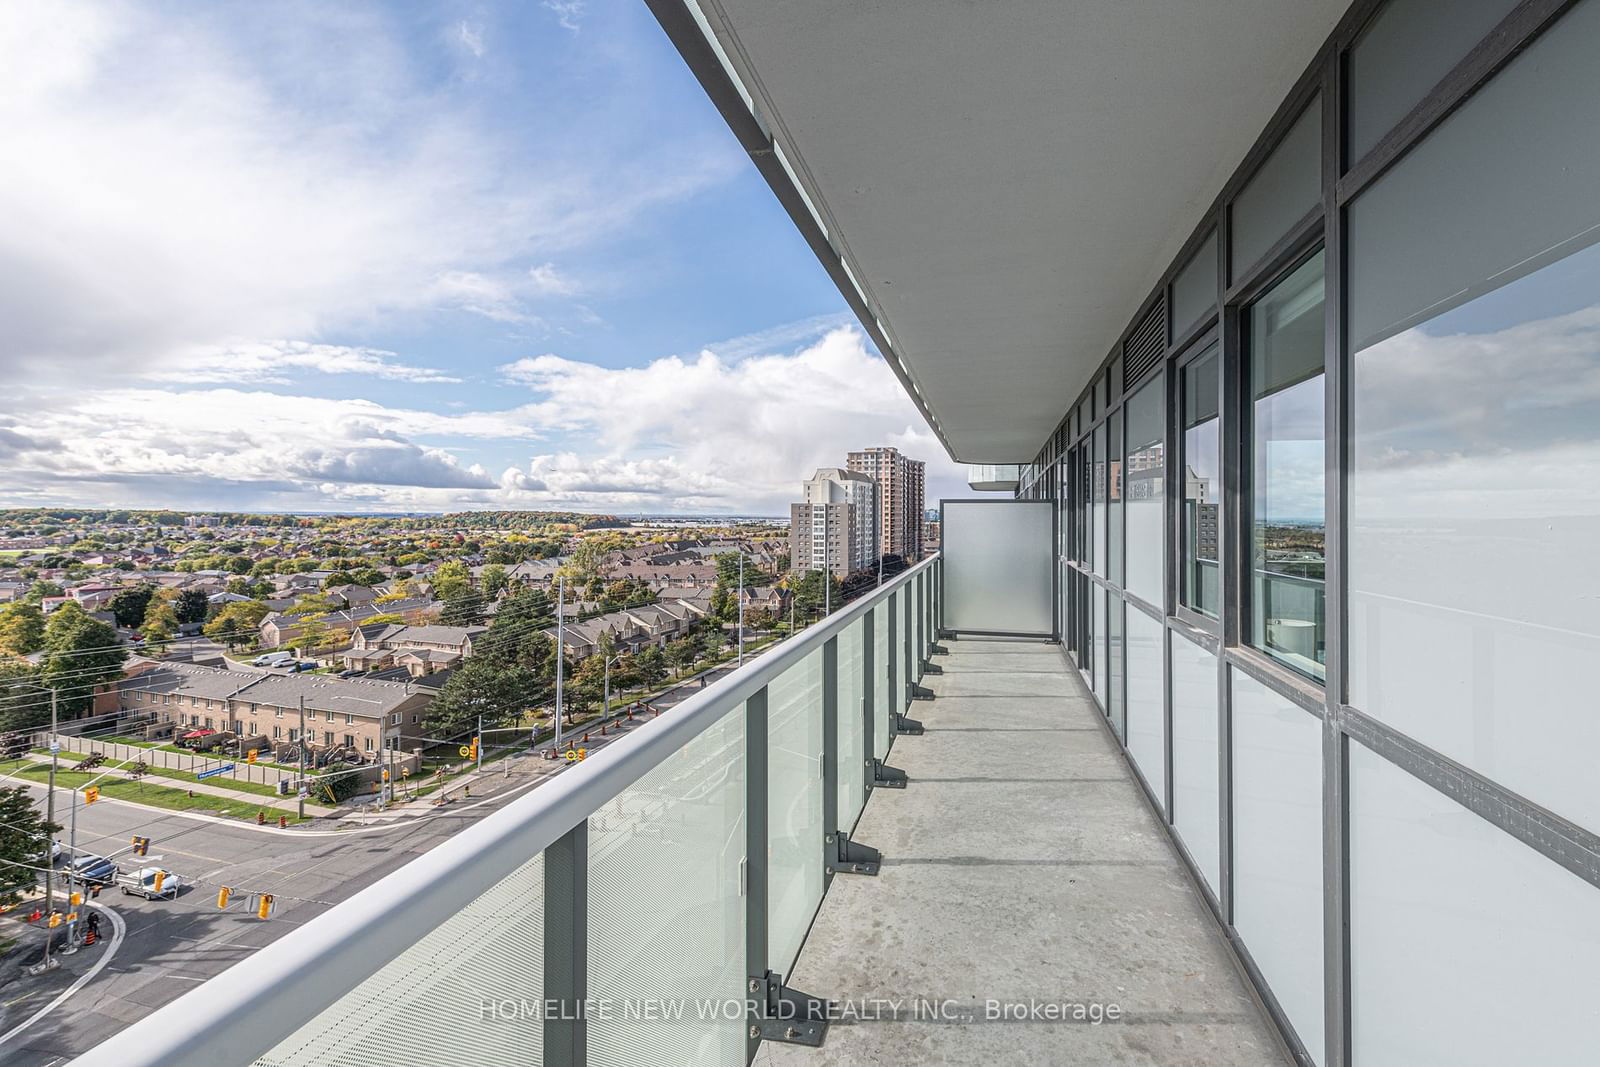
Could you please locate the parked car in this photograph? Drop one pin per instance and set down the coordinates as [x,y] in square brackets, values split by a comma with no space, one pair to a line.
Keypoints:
[353,672]
[273,659]
[303,665]
[142,883]
[93,870]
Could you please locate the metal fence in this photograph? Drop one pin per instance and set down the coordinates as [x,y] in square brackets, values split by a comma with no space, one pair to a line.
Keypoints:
[640,908]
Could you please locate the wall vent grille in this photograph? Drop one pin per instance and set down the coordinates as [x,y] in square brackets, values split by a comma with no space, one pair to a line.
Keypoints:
[1144,346]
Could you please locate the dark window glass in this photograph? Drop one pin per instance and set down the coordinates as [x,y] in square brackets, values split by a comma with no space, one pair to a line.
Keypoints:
[1202,486]
[1114,494]
[1194,290]
[1287,186]
[1286,434]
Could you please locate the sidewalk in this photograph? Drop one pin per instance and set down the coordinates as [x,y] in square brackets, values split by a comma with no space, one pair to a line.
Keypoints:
[288,804]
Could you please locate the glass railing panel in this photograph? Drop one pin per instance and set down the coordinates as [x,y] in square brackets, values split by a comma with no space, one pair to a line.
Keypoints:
[852,724]
[666,926]
[469,991]
[881,666]
[794,807]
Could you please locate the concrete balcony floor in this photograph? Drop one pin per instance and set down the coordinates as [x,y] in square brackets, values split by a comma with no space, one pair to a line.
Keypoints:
[1021,864]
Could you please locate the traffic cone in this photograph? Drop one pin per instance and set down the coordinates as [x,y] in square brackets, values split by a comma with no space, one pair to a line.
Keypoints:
[36,916]
[261,818]
[283,822]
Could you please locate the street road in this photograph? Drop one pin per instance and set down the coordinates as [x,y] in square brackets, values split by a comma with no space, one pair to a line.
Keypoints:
[171,945]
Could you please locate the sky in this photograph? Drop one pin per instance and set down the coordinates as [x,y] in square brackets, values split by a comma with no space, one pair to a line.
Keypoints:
[391,257]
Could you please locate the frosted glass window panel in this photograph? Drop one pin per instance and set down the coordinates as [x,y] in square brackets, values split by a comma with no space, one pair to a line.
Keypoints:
[1403,54]
[1467,946]
[427,1004]
[1195,766]
[1194,290]
[794,808]
[852,724]
[1114,497]
[1287,593]
[1143,483]
[1476,433]
[1147,684]
[1288,185]
[880,680]
[1277,849]
[997,560]
[1117,710]
[1101,685]
[666,915]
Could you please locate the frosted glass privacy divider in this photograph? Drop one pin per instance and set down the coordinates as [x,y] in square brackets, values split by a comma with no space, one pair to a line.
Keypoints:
[1456,922]
[439,1000]
[1195,766]
[1277,849]
[999,573]
[1147,716]
[852,724]
[794,808]
[666,914]
[881,667]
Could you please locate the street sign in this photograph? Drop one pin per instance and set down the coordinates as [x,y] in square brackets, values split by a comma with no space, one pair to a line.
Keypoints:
[214,771]
[466,750]
[303,793]
[55,747]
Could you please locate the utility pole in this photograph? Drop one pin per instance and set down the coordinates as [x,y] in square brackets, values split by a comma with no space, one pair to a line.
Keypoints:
[477,743]
[741,607]
[50,817]
[561,641]
[300,786]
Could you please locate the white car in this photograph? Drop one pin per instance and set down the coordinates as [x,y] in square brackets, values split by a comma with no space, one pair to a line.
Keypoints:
[142,883]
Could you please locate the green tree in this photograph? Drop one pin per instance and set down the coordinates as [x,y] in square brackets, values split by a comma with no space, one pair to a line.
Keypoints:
[492,580]
[129,605]
[808,592]
[682,652]
[451,578]
[368,576]
[650,665]
[338,578]
[236,623]
[238,564]
[21,628]
[191,605]
[24,843]
[464,608]
[23,706]
[500,692]
[81,654]
[587,562]
[41,589]
[160,622]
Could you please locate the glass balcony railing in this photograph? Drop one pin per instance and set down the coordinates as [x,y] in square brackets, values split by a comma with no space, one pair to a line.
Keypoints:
[638,909]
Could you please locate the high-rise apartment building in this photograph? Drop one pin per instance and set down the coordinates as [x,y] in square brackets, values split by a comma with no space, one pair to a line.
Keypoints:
[901,486]
[834,527]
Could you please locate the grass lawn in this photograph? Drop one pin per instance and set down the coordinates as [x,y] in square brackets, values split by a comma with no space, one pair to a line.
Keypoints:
[258,788]
[157,796]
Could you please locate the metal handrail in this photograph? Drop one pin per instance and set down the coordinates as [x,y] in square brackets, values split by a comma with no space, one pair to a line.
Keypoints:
[246,1010]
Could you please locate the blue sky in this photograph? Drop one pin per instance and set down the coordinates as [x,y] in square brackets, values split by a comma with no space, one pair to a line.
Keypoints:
[415,257]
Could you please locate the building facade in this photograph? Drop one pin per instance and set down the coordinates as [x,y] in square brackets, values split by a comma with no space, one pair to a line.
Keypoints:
[834,528]
[902,484]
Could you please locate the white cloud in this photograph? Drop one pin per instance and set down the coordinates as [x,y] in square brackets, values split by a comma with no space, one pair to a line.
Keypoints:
[182,188]
[265,362]
[470,35]
[569,13]
[548,281]
[711,432]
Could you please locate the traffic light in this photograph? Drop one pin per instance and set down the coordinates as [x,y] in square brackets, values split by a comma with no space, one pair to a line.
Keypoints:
[264,908]
[222,897]
[141,846]
[161,876]
[55,919]
[75,899]
[251,758]
[474,753]
[386,774]
[91,794]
